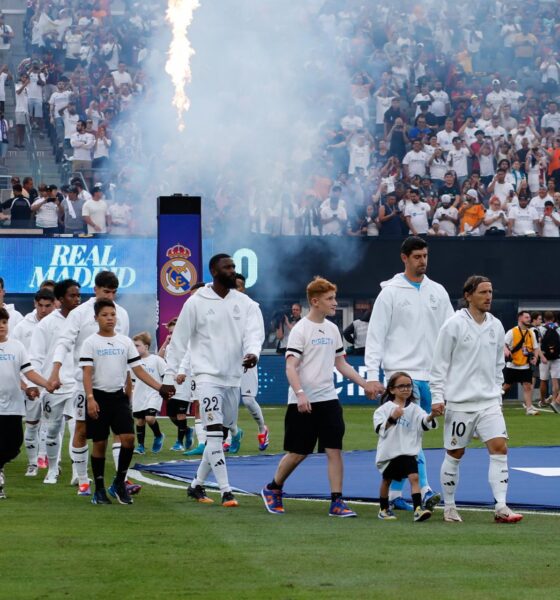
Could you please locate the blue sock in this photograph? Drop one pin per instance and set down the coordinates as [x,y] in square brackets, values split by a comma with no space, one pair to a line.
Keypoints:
[422,472]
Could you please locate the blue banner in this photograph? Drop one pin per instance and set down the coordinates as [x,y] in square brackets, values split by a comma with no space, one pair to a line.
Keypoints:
[27,261]
[273,385]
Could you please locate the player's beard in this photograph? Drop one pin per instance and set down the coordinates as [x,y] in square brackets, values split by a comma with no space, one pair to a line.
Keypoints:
[227,282]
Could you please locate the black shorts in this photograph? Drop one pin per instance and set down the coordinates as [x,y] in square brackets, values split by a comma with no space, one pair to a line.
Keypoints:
[142,414]
[400,468]
[177,407]
[325,424]
[115,415]
[11,437]
[518,375]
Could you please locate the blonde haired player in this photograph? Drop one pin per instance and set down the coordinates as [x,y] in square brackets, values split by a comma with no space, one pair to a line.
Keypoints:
[466,375]
[146,402]
[314,412]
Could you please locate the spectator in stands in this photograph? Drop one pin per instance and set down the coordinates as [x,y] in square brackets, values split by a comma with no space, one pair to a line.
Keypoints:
[28,190]
[333,213]
[121,76]
[390,224]
[45,208]
[70,212]
[37,82]
[58,101]
[22,110]
[120,215]
[550,221]
[95,213]
[5,75]
[416,214]
[522,219]
[6,37]
[19,207]
[4,142]
[495,220]
[70,119]
[471,214]
[83,143]
[83,194]
[446,218]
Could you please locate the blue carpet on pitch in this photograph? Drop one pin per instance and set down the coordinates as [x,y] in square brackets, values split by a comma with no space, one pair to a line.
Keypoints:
[534,488]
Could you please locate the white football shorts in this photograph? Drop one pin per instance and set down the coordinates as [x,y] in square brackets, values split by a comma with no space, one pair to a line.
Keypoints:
[459,427]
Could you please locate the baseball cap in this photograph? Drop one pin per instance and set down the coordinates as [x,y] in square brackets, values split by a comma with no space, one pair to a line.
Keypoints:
[472,193]
[446,198]
[495,81]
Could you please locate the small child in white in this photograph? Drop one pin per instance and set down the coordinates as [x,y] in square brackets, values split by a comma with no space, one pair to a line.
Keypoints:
[400,424]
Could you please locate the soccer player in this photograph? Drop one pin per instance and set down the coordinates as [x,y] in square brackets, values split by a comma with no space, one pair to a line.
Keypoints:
[105,358]
[44,305]
[146,403]
[466,375]
[225,331]
[57,406]
[249,391]
[178,406]
[13,364]
[400,423]
[405,321]
[15,316]
[314,412]
[79,325]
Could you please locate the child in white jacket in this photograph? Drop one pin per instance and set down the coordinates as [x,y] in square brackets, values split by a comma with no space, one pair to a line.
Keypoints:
[400,424]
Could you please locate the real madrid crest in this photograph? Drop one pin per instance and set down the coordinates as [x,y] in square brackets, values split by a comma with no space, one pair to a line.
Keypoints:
[178,275]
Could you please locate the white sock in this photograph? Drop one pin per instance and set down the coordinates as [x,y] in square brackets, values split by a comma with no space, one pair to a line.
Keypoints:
[53,443]
[71,423]
[203,471]
[255,410]
[498,476]
[449,478]
[424,489]
[43,429]
[79,458]
[394,494]
[32,442]
[200,432]
[214,454]
[116,451]
[233,430]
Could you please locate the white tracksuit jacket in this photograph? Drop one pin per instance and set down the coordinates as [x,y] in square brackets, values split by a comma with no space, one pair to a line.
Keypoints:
[404,326]
[220,331]
[468,361]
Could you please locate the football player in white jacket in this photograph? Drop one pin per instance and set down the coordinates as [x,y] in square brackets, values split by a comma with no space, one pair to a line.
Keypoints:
[404,325]
[225,331]
[466,376]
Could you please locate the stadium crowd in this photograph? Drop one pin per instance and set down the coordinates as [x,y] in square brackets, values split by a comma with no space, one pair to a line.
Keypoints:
[448,125]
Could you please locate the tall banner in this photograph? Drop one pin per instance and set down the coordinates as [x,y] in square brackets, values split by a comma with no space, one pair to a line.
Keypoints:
[179,255]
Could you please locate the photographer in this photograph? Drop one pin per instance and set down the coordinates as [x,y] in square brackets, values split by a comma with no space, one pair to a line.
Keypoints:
[45,209]
[285,324]
[521,350]
[550,221]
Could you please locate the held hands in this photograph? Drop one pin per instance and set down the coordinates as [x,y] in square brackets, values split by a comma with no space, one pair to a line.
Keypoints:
[32,393]
[249,361]
[53,386]
[437,410]
[167,391]
[180,379]
[372,389]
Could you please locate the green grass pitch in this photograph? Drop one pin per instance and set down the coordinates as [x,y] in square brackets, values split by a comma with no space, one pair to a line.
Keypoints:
[56,545]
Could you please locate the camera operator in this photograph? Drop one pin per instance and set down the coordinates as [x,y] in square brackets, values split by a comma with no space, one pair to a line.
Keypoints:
[521,351]
[45,209]
[285,325]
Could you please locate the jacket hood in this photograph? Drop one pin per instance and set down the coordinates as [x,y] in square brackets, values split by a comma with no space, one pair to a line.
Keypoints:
[208,293]
[400,281]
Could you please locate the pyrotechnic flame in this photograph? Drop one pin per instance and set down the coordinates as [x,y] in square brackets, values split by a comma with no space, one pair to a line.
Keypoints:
[180,15]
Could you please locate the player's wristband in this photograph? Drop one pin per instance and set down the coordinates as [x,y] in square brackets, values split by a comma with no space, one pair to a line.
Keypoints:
[392,420]
[300,392]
